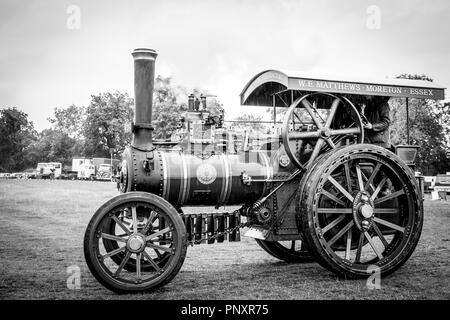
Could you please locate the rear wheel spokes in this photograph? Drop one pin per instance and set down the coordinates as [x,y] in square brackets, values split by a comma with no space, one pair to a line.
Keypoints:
[373,245]
[332,224]
[378,189]
[340,188]
[347,177]
[333,197]
[338,235]
[380,235]
[390,196]
[348,246]
[389,224]
[372,177]
[359,249]
[342,228]
[360,179]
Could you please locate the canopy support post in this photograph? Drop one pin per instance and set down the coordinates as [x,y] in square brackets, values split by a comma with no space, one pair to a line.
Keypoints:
[407,121]
[274,110]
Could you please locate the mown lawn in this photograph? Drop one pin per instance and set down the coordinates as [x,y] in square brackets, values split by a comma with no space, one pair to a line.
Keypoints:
[42,225]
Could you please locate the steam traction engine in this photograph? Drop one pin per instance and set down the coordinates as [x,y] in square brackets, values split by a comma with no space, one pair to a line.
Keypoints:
[315,187]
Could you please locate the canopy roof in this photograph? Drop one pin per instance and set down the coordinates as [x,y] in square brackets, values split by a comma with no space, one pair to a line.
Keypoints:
[260,89]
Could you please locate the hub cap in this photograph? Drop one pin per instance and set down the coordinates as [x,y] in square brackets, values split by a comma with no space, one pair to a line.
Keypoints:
[136,243]
[363,210]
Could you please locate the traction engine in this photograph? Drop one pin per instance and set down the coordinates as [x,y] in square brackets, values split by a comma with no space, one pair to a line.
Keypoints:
[313,192]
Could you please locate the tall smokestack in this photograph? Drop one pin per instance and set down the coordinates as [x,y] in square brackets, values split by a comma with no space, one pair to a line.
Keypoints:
[144,79]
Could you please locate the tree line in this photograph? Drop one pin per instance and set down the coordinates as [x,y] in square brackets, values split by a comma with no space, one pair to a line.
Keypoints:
[97,130]
[104,127]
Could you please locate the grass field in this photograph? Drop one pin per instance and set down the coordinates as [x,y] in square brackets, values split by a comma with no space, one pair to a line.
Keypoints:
[42,225]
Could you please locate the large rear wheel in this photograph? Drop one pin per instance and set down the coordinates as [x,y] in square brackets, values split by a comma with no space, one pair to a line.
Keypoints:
[292,251]
[360,207]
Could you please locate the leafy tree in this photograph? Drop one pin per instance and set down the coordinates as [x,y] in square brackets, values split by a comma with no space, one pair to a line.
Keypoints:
[167,108]
[16,134]
[250,121]
[107,124]
[53,146]
[429,123]
[69,120]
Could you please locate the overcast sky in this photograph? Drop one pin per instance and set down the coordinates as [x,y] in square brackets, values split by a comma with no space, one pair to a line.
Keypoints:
[216,45]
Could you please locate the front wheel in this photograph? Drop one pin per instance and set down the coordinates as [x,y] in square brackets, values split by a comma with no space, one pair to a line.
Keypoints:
[135,242]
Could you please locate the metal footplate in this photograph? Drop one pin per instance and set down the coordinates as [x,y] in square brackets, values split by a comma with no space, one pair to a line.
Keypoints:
[209,228]
[257,233]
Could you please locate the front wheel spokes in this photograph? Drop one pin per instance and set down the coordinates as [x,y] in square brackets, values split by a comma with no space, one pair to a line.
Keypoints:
[151,261]
[134,217]
[158,247]
[120,224]
[122,264]
[113,237]
[113,252]
[136,264]
[158,233]
[149,223]
[138,267]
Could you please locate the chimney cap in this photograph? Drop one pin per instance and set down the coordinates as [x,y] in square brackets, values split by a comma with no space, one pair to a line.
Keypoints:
[144,54]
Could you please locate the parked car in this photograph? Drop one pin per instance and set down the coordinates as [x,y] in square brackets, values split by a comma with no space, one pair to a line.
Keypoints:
[67,175]
[30,173]
[428,182]
[17,175]
[441,183]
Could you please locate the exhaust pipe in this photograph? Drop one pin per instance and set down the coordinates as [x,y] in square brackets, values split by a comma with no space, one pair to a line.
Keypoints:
[144,80]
